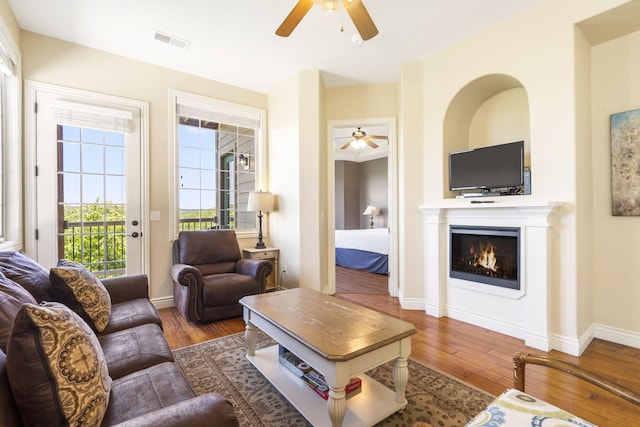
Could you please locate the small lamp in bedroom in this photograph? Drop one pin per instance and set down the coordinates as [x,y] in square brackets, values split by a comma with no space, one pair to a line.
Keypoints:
[371,211]
[260,201]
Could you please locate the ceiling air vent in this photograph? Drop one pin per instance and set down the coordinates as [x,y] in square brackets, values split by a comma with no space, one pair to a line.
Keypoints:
[171,40]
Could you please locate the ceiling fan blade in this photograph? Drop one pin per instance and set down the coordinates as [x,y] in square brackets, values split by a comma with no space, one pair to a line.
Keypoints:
[293,19]
[369,142]
[361,18]
[347,144]
[378,137]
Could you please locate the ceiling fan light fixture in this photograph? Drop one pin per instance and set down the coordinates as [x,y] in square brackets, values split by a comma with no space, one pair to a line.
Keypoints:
[328,5]
[355,9]
[358,144]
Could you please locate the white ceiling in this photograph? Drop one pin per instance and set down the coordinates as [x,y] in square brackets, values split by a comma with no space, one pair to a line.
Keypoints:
[234,41]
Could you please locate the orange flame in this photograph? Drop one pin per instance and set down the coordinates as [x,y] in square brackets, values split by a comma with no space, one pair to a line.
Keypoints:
[486,257]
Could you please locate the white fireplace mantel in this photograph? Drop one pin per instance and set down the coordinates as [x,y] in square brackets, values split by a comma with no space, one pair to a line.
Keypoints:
[526,313]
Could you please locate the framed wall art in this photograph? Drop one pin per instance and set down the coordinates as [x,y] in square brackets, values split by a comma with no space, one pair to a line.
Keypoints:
[625,163]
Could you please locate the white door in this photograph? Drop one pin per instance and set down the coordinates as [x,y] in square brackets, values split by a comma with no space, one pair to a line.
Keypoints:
[89,183]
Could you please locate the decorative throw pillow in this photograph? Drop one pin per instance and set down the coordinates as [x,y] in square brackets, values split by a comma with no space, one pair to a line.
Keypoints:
[80,290]
[56,367]
[12,296]
[24,270]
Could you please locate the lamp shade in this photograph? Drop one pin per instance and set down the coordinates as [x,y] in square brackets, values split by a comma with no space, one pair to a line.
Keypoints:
[370,210]
[260,201]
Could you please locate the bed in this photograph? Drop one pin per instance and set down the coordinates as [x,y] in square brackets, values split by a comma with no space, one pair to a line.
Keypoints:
[363,249]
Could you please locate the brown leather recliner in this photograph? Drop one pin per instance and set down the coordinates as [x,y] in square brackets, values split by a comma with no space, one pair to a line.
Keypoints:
[210,276]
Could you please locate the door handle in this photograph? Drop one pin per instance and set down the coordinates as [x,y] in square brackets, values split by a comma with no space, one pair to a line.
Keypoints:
[135,234]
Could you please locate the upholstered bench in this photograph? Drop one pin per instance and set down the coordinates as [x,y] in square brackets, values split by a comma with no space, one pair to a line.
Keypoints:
[515,408]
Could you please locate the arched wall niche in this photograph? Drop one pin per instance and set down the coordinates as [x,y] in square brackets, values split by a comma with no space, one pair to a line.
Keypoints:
[493,109]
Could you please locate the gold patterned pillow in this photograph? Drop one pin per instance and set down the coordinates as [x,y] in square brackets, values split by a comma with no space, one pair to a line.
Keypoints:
[56,367]
[80,290]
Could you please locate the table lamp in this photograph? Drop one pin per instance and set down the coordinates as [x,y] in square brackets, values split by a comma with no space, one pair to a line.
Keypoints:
[260,201]
[371,211]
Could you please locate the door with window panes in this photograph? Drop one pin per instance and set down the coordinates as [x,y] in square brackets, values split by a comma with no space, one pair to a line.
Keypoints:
[89,184]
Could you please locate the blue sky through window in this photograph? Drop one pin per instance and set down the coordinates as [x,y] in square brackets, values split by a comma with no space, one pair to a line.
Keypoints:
[197,166]
[93,166]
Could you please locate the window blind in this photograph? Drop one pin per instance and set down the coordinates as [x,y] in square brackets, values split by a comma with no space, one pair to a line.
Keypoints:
[7,64]
[216,113]
[91,116]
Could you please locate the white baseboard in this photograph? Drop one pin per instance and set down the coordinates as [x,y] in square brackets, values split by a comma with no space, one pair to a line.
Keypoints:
[411,303]
[568,345]
[616,335]
[487,323]
[163,302]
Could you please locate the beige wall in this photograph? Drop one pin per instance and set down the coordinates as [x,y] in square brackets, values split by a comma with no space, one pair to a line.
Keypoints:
[57,62]
[298,175]
[362,101]
[313,183]
[411,166]
[615,88]
[10,21]
[501,119]
[284,152]
[538,49]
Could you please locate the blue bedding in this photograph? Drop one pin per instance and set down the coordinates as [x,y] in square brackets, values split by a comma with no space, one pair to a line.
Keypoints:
[362,260]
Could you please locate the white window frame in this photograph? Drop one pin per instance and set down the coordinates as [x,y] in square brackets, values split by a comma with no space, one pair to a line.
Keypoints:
[11,146]
[220,106]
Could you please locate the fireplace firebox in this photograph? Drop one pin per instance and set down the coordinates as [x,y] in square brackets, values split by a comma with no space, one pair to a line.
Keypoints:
[489,255]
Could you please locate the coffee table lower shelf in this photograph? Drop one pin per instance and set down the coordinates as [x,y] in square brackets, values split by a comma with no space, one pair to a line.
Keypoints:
[374,403]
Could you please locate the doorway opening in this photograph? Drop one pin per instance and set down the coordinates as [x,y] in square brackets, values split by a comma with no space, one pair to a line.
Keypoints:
[363,198]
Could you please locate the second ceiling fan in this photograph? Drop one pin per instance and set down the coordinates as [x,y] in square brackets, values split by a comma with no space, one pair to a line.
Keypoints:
[359,139]
[355,8]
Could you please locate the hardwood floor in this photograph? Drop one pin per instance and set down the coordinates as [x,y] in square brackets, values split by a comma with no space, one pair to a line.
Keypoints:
[476,356]
[349,281]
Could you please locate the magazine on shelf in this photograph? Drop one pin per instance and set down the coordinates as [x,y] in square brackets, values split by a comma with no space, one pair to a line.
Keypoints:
[315,380]
[292,362]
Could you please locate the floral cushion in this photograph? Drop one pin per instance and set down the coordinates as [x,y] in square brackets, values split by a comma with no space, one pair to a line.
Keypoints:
[56,367]
[514,408]
[80,290]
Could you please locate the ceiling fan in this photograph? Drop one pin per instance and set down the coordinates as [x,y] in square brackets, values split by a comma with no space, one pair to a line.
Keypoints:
[355,8]
[359,139]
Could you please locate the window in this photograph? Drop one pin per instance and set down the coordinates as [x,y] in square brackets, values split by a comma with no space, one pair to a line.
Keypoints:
[10,145]
[91,198]
[216,147]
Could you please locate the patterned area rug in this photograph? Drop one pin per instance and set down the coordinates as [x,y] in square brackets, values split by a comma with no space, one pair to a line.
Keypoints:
[220,365]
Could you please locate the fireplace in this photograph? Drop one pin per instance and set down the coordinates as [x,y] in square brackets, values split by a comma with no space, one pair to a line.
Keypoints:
[488,255]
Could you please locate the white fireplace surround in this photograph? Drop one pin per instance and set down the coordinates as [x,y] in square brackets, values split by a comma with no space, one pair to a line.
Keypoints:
[523,313]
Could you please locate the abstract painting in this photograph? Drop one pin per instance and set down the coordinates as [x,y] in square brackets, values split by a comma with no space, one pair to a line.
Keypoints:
[625,163]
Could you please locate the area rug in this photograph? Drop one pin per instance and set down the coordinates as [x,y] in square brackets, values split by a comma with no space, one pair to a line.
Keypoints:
[220,365]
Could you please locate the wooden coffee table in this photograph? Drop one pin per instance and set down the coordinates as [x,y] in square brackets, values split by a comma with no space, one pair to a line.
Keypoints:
[340,340]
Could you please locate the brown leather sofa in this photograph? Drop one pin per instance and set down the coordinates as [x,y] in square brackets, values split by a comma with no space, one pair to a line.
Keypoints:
[147,389]
[210,276]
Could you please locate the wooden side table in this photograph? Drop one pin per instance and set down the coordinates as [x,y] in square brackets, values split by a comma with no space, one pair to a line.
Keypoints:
[270,254]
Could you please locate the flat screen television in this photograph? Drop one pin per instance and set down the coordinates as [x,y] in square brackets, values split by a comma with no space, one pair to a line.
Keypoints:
[487,168]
